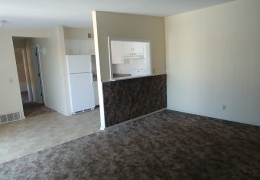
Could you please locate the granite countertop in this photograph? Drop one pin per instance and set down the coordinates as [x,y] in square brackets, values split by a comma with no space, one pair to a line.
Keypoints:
[129,77]
[121,75]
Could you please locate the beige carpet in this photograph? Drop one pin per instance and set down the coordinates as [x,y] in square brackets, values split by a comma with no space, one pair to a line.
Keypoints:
[166,145]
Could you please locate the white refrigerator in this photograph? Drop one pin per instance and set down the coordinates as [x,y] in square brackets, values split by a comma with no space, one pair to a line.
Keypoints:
[80,82]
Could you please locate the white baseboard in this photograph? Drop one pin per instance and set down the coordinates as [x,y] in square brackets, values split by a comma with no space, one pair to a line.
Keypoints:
[103,128]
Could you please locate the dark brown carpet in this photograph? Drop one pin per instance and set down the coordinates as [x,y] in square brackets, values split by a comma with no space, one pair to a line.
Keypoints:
[167,145]
[35,109]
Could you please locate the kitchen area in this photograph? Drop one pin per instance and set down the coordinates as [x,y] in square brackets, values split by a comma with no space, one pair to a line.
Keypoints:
[129,58]
[82,74]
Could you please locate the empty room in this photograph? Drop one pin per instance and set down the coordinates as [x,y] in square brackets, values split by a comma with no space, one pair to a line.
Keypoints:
[136,89]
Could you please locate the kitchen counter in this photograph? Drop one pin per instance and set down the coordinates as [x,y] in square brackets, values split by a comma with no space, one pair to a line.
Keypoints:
[130,77]
[121,75]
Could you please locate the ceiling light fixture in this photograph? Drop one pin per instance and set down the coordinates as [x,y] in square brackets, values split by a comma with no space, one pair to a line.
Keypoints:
[2,23]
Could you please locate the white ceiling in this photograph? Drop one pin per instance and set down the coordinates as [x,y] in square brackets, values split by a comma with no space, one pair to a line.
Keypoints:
[77,13]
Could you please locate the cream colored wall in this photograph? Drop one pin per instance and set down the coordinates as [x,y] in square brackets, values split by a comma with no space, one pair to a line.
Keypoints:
[53,70]
[10,97]
[21,70]
[133,27]
[213,59]
[77,33]
[20,44]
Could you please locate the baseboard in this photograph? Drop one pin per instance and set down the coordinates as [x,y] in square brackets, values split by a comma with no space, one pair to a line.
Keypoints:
[130,120]
[212,116]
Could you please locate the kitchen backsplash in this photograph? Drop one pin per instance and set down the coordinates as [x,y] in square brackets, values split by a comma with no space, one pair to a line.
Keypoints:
[132,98]
[126,68]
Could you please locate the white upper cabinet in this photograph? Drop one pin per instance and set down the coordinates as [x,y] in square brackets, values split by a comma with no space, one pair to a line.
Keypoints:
[132,48]
[82,47]
[117,52]
[138,47]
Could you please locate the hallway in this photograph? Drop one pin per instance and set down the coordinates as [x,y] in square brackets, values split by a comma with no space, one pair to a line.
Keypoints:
[31,108]
[34,109]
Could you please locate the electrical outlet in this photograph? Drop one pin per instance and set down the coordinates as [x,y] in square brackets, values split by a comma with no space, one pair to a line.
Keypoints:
[153,70]
[224,107]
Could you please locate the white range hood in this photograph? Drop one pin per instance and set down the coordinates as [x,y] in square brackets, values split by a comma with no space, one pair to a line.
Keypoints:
[134,56]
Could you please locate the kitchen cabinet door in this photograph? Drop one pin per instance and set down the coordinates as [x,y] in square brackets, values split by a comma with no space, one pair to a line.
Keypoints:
[83,47]
[68,47]
[127,48]
[117,52]
[131,48]
[92,47]
[138,47]
[87,47]
[75,46]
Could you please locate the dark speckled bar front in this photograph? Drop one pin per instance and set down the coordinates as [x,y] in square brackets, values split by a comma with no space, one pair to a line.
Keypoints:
[132,98]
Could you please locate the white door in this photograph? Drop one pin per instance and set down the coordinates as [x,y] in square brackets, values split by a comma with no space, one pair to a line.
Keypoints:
[37,88]
[81,92]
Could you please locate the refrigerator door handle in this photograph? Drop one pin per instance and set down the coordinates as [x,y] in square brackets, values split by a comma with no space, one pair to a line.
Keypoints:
[91,79]
[91,64]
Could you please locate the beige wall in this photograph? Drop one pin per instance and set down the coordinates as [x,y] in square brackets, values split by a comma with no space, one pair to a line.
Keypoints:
[77,33]
[21,70]
[149,28]
[213,59]
[106,24]
[10,98]
[20,44]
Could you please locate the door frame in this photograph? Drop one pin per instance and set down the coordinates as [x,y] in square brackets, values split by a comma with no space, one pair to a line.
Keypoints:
[27,73]
[40,69]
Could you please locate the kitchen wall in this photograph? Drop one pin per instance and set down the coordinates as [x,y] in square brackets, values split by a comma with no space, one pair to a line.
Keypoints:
[10,97]
[53,68]
[108,24]
[126,68]
[213,61]
[120,25]
[77,33]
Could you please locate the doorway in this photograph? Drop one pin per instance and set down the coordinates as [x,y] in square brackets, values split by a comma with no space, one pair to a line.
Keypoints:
[23,75]
[30,77]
